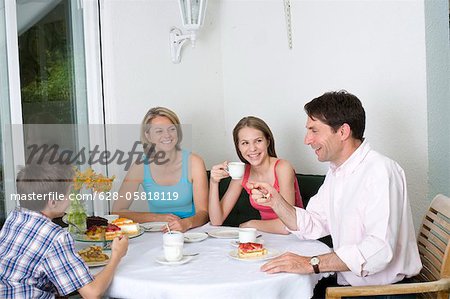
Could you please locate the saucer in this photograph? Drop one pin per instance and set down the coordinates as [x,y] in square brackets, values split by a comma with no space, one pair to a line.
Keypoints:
[224,233]
[162,260]
[153,226]
[194,237]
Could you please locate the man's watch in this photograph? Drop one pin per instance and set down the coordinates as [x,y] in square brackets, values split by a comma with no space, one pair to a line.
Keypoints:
[315,261]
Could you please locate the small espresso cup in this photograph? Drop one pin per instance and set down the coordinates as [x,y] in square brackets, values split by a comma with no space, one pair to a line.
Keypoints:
[247,235]
[173,253]
[236,170]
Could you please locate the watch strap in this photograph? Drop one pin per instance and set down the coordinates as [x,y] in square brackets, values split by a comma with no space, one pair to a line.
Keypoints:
[316,269]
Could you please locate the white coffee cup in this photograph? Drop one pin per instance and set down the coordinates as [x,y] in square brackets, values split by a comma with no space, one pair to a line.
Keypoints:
[173,253]
[236,170]
[173,238]
[247,235]
[173,246]
[110,218]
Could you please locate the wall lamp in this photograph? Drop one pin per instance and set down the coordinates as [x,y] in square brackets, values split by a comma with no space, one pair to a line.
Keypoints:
[192,16]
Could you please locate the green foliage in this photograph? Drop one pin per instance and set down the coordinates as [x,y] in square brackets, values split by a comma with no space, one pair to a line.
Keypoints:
[55,88]
[45,61]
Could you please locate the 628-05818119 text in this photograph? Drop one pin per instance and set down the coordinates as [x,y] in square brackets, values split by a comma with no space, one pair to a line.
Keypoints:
[128,196]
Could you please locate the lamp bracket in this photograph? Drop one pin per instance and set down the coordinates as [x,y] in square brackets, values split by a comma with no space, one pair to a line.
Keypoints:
[176,40]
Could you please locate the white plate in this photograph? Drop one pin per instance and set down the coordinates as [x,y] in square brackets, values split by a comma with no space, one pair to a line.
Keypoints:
[153,226]
[271,253]
[162,260]
[236,243]
[224,233]
[194,237]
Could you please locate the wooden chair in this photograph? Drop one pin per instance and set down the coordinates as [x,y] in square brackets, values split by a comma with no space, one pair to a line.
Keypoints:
[434,248]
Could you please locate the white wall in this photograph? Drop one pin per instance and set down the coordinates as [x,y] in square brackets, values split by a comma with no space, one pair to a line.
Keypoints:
[242,66]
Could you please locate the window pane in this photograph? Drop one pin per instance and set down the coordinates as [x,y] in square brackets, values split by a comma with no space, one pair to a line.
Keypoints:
[47,58]
[52,74]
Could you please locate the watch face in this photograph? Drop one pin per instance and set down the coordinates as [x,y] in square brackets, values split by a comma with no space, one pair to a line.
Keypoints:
[314,260]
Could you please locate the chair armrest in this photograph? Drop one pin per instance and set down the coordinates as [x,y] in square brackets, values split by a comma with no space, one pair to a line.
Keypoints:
[442,284]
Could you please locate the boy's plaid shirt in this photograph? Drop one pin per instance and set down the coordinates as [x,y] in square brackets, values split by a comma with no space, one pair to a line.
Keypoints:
[38,258]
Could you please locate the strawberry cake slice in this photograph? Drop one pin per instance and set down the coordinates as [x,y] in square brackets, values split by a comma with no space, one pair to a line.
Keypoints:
[249,250]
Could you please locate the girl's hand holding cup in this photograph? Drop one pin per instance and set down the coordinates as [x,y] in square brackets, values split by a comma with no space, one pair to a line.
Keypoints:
[219,172]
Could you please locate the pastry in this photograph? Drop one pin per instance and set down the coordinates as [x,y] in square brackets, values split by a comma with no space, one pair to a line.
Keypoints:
[93,254]
[127,225]
[248,250]
[112,231]
[95,232]
[95,221]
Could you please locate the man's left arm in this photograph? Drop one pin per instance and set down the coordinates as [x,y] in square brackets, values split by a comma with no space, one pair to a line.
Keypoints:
[294,263]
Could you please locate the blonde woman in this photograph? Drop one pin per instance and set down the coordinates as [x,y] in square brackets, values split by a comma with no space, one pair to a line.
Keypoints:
[177,187]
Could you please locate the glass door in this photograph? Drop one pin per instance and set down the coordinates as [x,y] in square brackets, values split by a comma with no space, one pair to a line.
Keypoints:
[44,96]
[6,165]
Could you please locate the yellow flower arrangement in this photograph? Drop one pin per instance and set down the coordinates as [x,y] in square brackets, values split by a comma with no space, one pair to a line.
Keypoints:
[89,179]
[92,180]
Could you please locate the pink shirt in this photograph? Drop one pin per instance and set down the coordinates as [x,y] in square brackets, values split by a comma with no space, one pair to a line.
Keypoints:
[266,212]
[364,205]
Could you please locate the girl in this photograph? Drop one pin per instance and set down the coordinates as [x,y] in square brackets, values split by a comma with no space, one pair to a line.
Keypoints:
[255,147]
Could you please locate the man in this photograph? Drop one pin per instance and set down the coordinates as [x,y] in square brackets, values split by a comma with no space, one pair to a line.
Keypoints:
[363,203]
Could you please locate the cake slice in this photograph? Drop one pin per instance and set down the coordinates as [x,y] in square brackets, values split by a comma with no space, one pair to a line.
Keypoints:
[94,232]
[127,225]
[249,250]
[95,221]
[112,231]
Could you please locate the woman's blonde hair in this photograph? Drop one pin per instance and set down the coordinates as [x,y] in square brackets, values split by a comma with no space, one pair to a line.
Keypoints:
[150,115]
[258,124]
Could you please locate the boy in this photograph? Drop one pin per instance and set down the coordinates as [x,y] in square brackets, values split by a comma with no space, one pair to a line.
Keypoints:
[37,257]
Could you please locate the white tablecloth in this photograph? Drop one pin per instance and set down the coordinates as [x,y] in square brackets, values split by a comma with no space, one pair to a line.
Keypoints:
[211,274]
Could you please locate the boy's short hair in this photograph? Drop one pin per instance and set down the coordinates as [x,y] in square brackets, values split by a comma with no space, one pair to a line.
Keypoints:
[39,181]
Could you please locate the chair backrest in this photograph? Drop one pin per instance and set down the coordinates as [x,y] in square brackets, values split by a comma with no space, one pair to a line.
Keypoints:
[243,211]
[433,240]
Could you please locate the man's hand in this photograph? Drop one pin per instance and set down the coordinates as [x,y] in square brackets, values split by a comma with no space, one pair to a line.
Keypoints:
[289,262]
[263,193]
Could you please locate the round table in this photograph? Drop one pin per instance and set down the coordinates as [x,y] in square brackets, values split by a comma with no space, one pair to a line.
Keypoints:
[212,273]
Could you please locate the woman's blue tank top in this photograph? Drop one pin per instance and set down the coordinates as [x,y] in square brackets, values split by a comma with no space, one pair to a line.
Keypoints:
[174,199]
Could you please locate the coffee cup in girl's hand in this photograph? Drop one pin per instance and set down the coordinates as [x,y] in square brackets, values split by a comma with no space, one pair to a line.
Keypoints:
[236,170]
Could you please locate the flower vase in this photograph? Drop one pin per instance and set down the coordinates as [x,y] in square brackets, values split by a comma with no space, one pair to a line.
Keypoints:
[77,215]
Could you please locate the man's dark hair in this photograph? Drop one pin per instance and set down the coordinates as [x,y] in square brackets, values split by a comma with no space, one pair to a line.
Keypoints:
[337,108]
[41,179]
